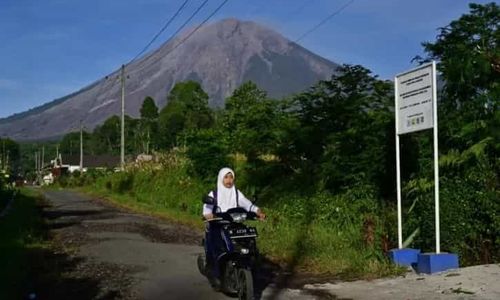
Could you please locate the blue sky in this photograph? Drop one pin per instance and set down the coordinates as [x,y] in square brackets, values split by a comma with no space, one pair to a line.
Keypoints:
[49,48]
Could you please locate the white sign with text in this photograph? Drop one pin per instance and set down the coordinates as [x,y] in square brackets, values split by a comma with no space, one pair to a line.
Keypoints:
[414,99]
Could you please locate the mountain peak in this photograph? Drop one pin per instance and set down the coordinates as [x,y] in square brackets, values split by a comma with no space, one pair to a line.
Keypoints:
[220,55]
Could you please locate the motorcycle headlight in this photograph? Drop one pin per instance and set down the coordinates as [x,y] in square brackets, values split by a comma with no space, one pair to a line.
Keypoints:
[238,217]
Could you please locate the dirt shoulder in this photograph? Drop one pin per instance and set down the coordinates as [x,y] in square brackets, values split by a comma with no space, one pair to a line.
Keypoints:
[477,282]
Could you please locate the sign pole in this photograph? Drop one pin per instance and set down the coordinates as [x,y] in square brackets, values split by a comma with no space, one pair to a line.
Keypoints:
[416,110]
[398,174]
[436,158]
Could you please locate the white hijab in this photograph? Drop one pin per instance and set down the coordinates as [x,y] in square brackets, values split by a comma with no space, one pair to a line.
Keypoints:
[226,197]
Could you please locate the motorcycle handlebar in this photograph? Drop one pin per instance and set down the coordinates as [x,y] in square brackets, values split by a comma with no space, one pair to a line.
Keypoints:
[227,217]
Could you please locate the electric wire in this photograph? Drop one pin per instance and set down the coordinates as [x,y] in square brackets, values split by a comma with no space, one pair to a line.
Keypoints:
[172,18]
[329,17]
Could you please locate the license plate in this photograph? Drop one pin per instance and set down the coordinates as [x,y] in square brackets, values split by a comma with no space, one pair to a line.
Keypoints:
[242,232]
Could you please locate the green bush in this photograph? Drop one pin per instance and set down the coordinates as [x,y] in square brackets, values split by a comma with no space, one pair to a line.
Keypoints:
[122,182]
[207,152]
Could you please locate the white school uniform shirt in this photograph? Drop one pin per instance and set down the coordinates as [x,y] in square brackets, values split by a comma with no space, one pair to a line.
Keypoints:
[226,197]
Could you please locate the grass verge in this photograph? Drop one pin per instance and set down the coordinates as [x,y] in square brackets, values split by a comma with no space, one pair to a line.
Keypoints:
[21,230]
[5,196]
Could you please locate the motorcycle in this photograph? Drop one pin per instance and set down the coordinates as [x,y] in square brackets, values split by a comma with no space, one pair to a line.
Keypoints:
[230,252]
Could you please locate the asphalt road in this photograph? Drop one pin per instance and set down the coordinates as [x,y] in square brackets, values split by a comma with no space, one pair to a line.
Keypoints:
[133,256]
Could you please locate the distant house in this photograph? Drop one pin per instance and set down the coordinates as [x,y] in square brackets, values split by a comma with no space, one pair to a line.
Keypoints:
[70,163]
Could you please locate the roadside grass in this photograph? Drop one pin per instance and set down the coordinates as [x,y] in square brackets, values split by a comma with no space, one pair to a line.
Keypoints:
[320,250]
[298,240]
[5,196]
[153,209]
[21,230]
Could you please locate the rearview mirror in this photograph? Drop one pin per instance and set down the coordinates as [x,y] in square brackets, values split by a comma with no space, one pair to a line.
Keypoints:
[208,200]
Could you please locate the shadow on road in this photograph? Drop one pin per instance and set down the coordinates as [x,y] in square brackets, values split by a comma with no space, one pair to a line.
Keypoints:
[54,276]
[54,273]
[287,278]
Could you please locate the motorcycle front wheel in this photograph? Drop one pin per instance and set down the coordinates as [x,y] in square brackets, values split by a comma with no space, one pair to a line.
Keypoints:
[245,284]
[202,264]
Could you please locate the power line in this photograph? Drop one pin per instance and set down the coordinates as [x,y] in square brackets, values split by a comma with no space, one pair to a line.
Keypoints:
[199,26]
[184,24]
[174,34]
[192,32]
[161,30]
[336,12]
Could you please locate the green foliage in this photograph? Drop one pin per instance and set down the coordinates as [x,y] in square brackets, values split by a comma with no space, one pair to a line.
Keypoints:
[207,151]
[107,137]
[149,110]
[122,182]
[467,52]
[70,143]
[10,155]
[342,131]
[147,132]
[249,121]
[187,109]
[21,237]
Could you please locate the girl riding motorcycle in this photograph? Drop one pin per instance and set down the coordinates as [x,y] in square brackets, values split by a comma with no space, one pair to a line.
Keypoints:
[225,198]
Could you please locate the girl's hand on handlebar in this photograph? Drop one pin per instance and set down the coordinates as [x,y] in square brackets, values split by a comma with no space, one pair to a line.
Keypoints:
[208,217]
[261,215]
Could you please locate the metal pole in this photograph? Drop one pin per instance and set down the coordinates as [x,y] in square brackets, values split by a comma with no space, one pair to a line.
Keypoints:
[398,168]
[436,157]
[81,147]
[36,166]
[122,141]
[3,154]
[43,158]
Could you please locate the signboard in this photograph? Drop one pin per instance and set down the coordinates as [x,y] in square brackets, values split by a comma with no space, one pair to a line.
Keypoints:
[416,109]
[414,99]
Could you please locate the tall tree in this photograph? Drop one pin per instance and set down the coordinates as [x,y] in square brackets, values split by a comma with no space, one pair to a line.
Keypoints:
[70,143]
[187,109]
[250,121]
[148,125]
[9,155]
[149,110]
[469,61]
[468,56]
[344,125]
[106,137]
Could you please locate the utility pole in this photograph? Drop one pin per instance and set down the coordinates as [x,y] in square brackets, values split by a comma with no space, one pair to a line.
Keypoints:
[36,166]
[43,159]
[3,154]
[122,141]
[81,147]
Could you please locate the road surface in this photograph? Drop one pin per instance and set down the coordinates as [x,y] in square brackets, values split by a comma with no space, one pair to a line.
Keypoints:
[129,256]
